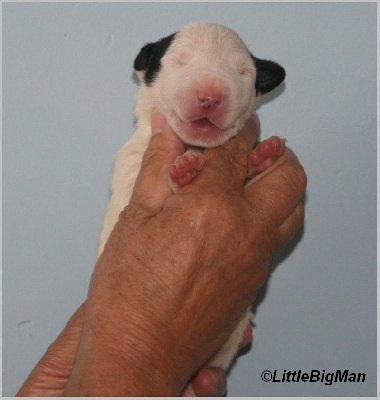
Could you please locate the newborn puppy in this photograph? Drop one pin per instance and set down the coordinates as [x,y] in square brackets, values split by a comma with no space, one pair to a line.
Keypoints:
[206,82]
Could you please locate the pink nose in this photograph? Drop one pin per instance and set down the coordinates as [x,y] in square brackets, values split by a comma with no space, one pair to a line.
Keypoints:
[209,101]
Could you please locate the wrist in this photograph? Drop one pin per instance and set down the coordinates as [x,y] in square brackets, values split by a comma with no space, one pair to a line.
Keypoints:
[133,366]
[104,375]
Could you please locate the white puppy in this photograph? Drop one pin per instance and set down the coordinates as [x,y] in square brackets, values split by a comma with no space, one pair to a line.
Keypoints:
[206,82]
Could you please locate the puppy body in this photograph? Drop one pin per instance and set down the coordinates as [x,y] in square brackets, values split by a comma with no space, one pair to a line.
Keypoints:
[206,82]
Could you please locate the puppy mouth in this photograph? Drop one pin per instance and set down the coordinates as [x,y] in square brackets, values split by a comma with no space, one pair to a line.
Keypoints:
[202,132]
[202,124]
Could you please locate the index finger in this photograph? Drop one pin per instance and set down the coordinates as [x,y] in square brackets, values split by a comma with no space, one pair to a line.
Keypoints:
[227,164]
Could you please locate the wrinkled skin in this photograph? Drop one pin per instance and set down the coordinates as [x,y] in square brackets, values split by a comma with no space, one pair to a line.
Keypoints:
[50,376]
[179,270]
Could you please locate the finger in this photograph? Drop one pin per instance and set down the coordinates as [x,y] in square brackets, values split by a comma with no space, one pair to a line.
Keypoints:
[278,190]
[227,164]
[152,186]
[210,382]
[292,224]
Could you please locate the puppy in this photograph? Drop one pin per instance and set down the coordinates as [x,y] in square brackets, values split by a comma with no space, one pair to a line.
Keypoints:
[206,82]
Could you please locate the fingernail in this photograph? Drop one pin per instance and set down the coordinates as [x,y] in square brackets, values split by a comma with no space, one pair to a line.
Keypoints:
[158,122]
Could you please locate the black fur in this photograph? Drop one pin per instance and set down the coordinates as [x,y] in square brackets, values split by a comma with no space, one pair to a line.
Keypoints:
[149,58]
[269,75]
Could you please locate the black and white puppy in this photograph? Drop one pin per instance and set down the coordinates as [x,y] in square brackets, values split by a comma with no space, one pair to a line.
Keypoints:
[205,81]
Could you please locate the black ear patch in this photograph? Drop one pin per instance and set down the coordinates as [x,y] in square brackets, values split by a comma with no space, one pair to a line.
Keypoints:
[269,75]
[149,58]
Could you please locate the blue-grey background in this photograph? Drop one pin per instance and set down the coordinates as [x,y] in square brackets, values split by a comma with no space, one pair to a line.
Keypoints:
[68,99]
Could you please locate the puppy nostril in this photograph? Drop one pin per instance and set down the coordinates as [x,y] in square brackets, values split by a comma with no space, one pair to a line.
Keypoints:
[208,102]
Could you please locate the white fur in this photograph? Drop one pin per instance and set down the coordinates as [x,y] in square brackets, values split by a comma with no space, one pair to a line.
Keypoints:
[202,57]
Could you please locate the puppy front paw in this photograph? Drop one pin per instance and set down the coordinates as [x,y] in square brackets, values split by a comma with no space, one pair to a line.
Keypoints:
[264,155]
[185,168]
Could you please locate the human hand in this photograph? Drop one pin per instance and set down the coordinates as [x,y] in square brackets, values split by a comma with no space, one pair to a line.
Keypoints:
[179,270]
[50,376]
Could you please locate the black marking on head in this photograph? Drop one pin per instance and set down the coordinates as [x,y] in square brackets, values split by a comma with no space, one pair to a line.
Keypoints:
[149,58]
[269,75]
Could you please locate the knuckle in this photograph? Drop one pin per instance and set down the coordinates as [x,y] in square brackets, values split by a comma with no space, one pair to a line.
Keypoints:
[157,150]
[295,173]
[301,177]
[292,179]
[217,208]
[151,155]
[221,204]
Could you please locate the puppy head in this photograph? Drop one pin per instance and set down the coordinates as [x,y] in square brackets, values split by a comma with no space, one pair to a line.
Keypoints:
[205,81]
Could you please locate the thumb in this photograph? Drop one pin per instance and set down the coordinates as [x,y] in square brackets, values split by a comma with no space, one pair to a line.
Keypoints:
[152,185]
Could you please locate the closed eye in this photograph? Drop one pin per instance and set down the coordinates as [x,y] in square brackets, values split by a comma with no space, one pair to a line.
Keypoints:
[180,60]
[247,71]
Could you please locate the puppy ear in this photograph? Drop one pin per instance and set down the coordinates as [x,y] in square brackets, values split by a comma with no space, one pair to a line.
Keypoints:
[269,75]
[145,56]
[148,61]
